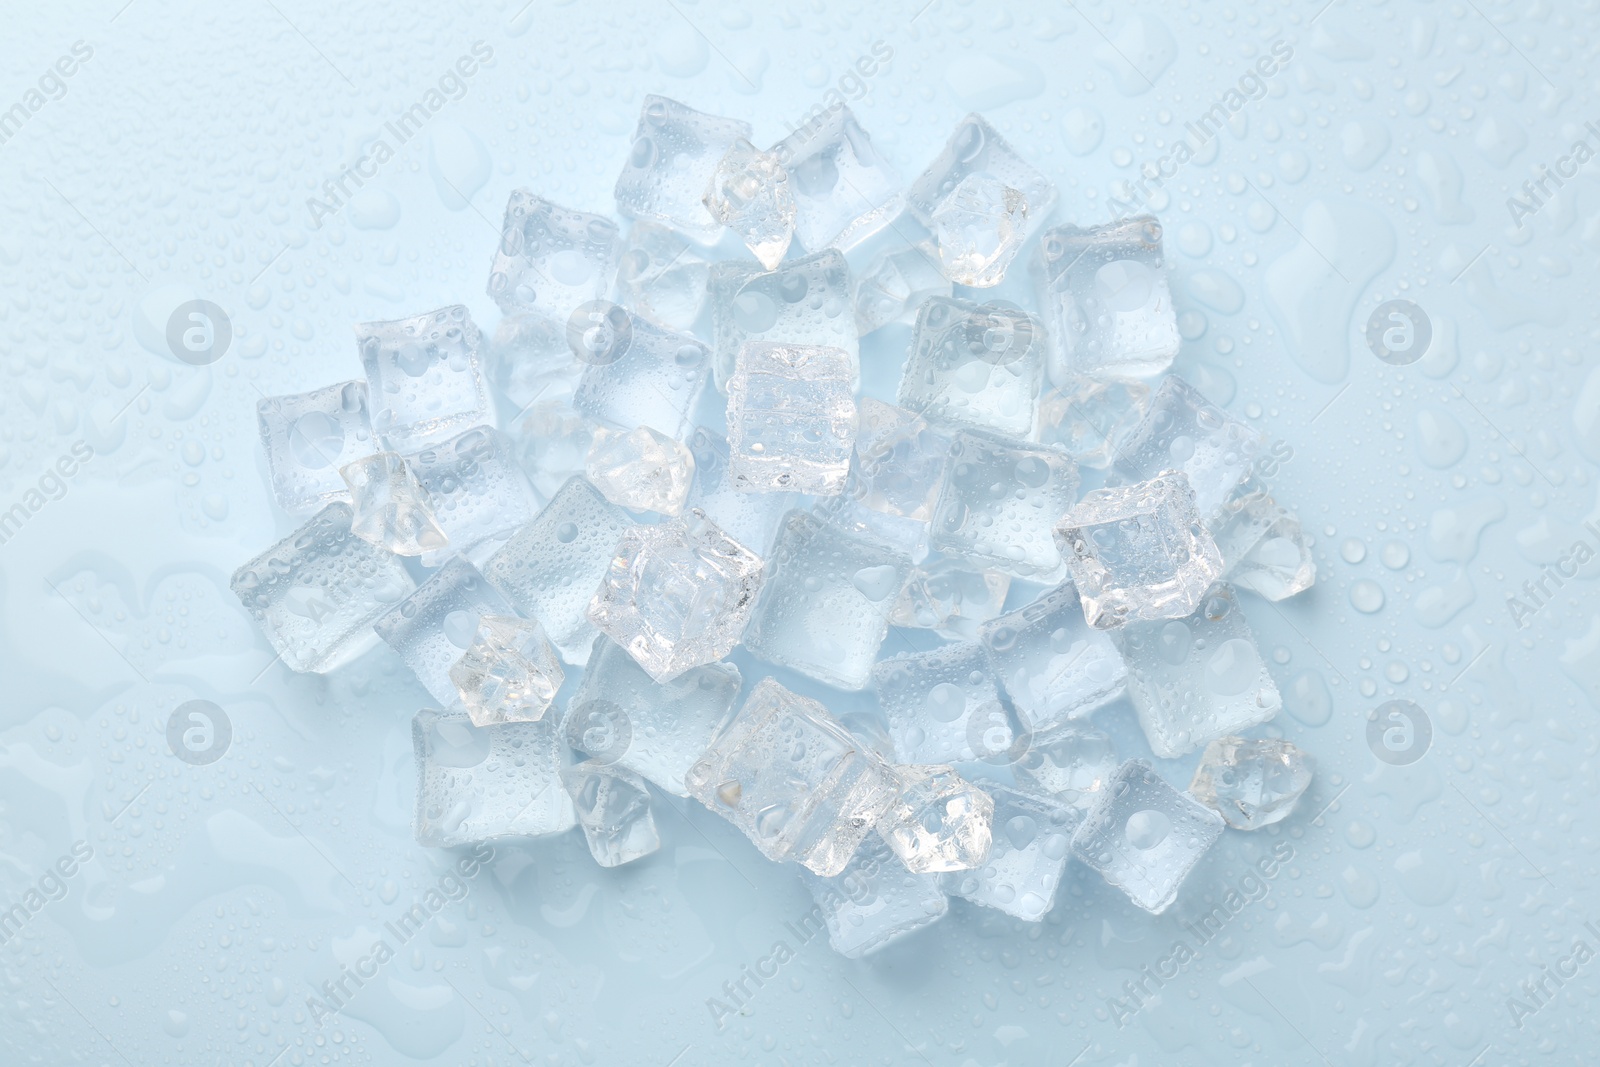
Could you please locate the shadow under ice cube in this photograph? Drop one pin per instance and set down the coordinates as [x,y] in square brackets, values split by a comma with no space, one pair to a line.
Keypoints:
[424,376]
[482,783]
[1144,836]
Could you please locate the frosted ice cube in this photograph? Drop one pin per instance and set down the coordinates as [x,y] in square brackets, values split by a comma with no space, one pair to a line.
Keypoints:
[1262,545]
[675,151]
[482,783]
[549,569]
[976,149]
[642,470]
[938,822]
[749,518]
[1197,678]
[998,501]
[795,781]
[391,506]
[978,229]
[434,625]
[907,537]
[552,259]
[1076,764]
[476,488]
[977,365]
[316,593]
[677,595]
[1032,838]
[750,194]
[509,673]
[1251,784]
[653,378]
[1144,837]
[791,419]
[424,376]
[949,598]
[1053,665]
[1185,431]
[1138,551]
[844,190]
[658,729]
[943,707]
[1105,299]
[899,460]
[825,609]
[531,364]
[808,301]
[1087,417]
[308,437]
[663,276]
[875,901]
[612,805]
[895,285]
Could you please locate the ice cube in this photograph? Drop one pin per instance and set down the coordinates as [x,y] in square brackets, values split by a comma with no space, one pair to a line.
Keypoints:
[1251,784]
[844,190]
[875,901]
[1087,417]
[749,518]
[895,285]
[1262,546]
[750,195]
[482,783]
[675,152]
[434,625]
[657,729]
[1198,678]
[791,419]
[1144,837]
[904,536]
[1185,431]
[1053,665]
[308,437]
[1139,551]
[1032,838]
[612,805]
[938,822]
[316,593]
[663,276]
[976,149]
[509,673]
[825,609]
[977,365]
[1105,299]
[550,568]
[808,301]
[978,229]
[643,470]
[652,378]
[997,503]
[391,506]
[551,259]
[1076,764]
[677,595]
[552,444]
[943,707]
[795,781]
[899,460]
[424,376]
[947,597]
[531,364]
[476,488]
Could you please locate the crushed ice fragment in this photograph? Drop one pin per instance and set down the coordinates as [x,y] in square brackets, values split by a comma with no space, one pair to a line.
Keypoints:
[751,195]
[641,470]
[938,822]
[1251,783]
[509,673]
[612,804]
[391,506]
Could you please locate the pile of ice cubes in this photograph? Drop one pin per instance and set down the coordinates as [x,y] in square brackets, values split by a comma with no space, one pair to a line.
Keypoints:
[665,455]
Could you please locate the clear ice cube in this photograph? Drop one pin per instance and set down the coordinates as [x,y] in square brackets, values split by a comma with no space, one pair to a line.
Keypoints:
[899,460]
[949,598]
[308,437]
[482,783]
[998,501]
[943,707]
[476,488]
[677,595]
[391,506]
[794,780]
[1032,838]
[844,190]
[612,805]
[791,418]
[1053,665]
[652,379]
[1251,784]
[978,229]
[1139,551]
[432,627]
[1144,837]
[975,365]
[663,276]
[1087,417]
[1076,764]
[976,149]
[551,259]
[1185,431]
[895,285]
[550,568]
[825,609]
[509,673]
[749,518]
[424,376]
[316,593]
[750,194]
[808,301]
[1197,678]
[875,901]
[1262,545]
[532,365]
[1105,299]
[675,152]
[642,470]
[938,822]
